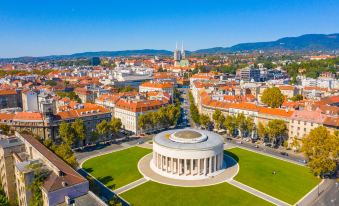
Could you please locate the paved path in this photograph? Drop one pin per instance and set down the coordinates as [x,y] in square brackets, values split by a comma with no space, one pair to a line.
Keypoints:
[257,193]
[130,186]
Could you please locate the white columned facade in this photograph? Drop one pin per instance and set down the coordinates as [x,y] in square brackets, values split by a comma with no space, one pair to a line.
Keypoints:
[198,158]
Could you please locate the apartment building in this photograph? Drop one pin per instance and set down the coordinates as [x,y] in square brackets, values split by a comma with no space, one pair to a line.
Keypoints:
[25,158]
[128,111]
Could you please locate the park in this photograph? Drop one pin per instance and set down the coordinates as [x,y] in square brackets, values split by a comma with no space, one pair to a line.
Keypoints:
[277,178]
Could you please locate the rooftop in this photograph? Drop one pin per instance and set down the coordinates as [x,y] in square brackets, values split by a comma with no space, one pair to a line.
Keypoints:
[188,139]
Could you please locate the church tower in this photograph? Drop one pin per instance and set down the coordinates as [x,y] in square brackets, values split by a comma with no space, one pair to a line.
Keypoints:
[183,55]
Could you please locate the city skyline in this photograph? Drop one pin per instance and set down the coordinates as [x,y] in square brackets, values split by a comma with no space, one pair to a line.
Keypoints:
[42,29]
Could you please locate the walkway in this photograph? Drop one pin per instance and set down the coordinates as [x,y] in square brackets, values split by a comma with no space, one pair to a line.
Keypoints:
[130,186]
[257,193]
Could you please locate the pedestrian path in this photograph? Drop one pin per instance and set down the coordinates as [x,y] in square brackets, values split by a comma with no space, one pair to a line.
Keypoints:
[130,186]
[258,193]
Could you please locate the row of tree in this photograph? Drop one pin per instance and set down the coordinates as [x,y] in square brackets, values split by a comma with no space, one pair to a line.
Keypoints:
[193,109]
[163,118]
[275,130]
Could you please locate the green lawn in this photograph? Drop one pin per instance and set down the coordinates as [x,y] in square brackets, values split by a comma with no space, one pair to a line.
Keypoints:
[290,183]
[152,193]
[116,169]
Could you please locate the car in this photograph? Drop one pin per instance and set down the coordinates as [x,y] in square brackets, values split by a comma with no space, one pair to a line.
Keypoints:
[140,142]
[239,142]
[284,153]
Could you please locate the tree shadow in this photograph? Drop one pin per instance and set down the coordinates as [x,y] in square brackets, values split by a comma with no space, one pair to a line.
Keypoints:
[106,179]
[88,169]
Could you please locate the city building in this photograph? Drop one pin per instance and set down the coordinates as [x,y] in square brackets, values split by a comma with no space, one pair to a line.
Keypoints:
[157,86]
[250,74]
[23,158]
[10,98]
[128,111]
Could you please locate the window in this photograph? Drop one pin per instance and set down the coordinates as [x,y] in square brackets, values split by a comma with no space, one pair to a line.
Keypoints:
[304,129]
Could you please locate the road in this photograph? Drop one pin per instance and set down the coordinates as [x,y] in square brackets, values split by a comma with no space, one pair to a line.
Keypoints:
[331,195]
[296,158]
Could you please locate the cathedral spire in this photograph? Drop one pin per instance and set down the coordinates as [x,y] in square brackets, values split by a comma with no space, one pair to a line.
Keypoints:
[182,50]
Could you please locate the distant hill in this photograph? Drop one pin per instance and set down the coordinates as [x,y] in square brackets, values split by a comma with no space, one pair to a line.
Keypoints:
[307,42]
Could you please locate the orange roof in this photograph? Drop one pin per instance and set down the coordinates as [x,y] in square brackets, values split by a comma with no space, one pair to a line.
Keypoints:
[88,110]
[286,87]
[153,84]
[332,121]
[7,92]
[275,112]
[139,105]
[36,116]
[6,116]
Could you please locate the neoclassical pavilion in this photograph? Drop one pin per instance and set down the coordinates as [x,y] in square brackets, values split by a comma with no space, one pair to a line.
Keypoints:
[187,154]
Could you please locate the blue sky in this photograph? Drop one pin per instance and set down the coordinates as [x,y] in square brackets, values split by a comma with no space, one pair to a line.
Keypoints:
[37,28]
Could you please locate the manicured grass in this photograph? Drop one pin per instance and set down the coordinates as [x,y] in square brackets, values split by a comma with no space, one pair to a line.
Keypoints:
[152,193]
[290,183]
[117,168]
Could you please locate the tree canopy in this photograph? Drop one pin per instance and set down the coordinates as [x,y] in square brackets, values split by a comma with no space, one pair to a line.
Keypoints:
[272,97]
[322,150]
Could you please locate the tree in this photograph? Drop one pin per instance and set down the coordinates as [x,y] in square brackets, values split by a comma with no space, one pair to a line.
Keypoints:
[272,97]
[240,121]
[261,131]
[249,125]
[220,121]
[216,115]
[322,150]
[39,177]
[143,121]
[204,121]
[297,97]
[94,136]
[65,152]
[276,130]
[66,133]
[230,124]
[5,128]
[115,124]
[103,128]
[3,199]
[295,144]
[218,118]
[79,129]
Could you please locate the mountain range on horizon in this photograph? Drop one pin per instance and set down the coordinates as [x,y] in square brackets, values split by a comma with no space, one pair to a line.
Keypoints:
[307,42]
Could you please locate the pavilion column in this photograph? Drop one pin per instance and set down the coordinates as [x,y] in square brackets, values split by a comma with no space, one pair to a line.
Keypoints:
[198,167]
[185,167]
[180,166]
[215,163]
[205,166]
[192,168]
[172,165]
[210,165]
[161,162]
[167,164]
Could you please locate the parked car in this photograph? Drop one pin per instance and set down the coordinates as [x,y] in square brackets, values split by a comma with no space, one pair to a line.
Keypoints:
[284,153]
